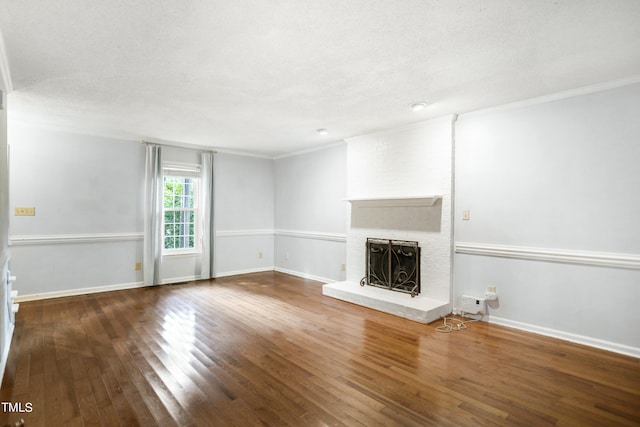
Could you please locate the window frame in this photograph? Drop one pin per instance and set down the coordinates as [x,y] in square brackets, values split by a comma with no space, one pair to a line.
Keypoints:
[190,171]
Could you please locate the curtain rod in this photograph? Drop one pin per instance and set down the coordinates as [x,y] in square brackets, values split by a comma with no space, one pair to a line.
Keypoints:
[180,145]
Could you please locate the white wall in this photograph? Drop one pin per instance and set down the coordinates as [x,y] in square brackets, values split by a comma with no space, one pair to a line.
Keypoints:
[87,193]
[244,214]
[88,228]
[561,180]
[311,213]
[6,327]
[412,161]
[4,181]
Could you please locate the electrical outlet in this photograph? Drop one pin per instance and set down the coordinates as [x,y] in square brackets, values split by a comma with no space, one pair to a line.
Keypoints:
[138,266]
[24,211]
[466,215]
[343,267]
[260,255]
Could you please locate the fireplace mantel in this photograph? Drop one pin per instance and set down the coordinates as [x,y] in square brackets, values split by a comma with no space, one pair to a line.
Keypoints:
[409,201]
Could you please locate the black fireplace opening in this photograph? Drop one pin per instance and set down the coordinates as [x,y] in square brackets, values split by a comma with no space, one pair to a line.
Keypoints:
[393,265]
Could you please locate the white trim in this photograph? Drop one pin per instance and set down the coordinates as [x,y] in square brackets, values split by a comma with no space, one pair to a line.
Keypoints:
[567,336]
[311,150]
[79,125]
[557,96]
[277,269]
[174,280]
[4,69]
[600,259]
[181,254]
[5,351]
[74,125]
[176,144]
[4,259]
[7,334]
[238,272]
[81,291]
[242,153]
[181,169]
[303,275]
[242,233]
[315,235]
[74,238]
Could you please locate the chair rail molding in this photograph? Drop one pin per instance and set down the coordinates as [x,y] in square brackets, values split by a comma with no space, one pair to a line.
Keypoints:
[601,259]
[314,235]
[74,238]
[241,233]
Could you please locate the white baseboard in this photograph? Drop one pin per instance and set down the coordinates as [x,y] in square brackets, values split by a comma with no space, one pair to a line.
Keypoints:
[81,291]
[173,280]
[121,286]
[279,270]
[303,275]
[247,271]
[566,336]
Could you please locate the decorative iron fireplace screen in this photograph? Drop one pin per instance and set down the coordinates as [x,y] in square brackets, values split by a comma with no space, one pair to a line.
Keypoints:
[393,265]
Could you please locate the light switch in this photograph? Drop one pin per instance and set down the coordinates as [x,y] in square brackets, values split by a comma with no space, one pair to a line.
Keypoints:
[25,211]
[466,214]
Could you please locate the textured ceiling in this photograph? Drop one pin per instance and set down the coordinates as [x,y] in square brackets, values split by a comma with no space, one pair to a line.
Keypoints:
[261,76]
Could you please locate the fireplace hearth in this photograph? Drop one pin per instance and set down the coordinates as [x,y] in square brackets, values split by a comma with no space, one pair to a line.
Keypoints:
[393,265]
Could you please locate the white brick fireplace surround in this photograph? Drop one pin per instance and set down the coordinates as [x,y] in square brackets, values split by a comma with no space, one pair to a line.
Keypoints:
[399,185]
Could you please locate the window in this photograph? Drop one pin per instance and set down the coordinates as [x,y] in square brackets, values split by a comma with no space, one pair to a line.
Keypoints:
[180,213]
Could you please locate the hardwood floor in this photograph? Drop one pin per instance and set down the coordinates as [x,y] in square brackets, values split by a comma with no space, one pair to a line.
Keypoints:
[269,349]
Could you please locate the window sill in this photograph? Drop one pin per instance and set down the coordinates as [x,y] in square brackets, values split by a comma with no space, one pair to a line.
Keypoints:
[181,254]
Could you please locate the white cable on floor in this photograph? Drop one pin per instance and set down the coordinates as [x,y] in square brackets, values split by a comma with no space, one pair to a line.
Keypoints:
[456,325]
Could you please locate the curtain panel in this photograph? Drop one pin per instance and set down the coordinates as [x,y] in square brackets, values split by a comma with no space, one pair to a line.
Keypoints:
[206,214]
[153,236]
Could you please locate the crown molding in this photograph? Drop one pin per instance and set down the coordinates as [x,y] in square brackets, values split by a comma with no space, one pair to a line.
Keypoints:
[59,124]
[311,150]
[242,153]
[584,90]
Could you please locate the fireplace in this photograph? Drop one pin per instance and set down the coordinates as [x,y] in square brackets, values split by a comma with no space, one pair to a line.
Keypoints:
[393,265]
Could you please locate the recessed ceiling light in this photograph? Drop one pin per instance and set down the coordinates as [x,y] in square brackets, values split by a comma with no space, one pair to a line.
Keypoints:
[417,106]
[322,131]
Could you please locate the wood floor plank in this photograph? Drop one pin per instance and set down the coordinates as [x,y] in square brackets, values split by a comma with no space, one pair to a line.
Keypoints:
[268,349]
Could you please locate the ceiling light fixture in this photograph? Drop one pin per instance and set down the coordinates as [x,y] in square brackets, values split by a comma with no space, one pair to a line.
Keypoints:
[417,106]
[322,131]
